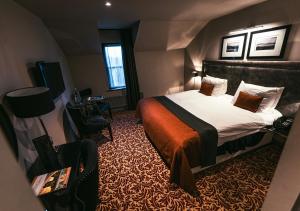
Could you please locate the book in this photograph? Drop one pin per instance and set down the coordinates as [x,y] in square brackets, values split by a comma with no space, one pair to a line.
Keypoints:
[51,181]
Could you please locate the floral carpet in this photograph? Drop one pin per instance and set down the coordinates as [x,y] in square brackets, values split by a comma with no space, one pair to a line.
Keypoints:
[133,176]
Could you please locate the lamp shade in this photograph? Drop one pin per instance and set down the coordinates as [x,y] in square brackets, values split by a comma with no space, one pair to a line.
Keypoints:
[30,102]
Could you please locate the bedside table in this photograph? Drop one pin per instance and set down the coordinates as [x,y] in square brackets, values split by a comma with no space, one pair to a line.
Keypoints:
[280,135]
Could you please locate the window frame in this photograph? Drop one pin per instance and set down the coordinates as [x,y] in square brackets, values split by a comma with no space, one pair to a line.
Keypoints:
[107,69]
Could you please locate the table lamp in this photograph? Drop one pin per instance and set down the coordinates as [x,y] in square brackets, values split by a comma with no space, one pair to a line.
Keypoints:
[34,102]
[31,102]
[195,74]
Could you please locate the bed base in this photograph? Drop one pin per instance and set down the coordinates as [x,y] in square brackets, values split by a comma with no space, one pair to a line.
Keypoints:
[267,139]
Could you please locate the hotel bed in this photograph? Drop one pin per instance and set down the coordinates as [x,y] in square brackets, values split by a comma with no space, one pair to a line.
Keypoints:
[230,121]
[189,128]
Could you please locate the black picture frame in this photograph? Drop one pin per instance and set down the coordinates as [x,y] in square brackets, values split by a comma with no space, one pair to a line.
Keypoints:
[283,46]
[222,57]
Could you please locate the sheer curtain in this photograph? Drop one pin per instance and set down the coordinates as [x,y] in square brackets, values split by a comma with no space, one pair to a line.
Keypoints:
[115,67]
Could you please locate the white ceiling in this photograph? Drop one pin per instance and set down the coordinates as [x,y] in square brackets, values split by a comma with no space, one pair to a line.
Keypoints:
[165,24]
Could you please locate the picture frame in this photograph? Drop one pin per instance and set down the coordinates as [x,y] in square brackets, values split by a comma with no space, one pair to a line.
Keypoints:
[233,46]
[268,43]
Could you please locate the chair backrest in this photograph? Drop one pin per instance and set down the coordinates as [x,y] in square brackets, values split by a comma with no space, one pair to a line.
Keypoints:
[75,113]
[87,184]
[69,128]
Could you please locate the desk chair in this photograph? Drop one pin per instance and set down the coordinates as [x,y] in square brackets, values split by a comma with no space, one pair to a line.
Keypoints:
[88,125]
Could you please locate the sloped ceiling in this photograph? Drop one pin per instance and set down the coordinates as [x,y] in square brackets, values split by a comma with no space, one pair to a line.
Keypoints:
[166,35]
[165,25]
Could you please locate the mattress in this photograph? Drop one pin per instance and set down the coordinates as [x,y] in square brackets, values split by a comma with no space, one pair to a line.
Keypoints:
[230,121]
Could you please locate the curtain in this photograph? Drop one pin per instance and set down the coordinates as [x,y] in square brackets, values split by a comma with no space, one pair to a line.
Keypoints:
[132,84]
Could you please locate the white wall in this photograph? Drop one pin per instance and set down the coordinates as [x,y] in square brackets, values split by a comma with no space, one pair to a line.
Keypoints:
[159,54]
[160,72]
[15,191]
[88,71]
[206,44]
[285,185]
[24,39]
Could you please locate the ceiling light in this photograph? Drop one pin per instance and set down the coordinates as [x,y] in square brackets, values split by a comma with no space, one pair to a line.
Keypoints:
[108,4]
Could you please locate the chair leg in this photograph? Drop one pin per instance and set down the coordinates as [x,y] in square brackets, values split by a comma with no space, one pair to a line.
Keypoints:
[110,132]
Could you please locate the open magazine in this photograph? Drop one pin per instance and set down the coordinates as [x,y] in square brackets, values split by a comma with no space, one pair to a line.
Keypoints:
[50,182]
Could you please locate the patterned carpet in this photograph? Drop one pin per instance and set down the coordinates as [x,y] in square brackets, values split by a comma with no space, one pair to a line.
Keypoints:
[133,176]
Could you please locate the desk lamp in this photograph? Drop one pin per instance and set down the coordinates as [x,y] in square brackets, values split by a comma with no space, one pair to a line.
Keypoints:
[34,102]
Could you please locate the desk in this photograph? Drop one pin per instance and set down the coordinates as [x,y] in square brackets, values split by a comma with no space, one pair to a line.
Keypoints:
[95,99]
[102,106]
[94,105]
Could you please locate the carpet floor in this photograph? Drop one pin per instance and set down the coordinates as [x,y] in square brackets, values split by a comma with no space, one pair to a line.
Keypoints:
[134,177]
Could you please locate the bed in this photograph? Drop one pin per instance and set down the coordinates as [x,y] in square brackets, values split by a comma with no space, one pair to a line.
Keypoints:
[189,128]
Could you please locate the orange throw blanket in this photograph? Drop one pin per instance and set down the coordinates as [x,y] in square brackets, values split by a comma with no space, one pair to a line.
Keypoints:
[177,143]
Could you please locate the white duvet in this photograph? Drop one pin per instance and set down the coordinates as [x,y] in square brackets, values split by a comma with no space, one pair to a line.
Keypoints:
[230,121]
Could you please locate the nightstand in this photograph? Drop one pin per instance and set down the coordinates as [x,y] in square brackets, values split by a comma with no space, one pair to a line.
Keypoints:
[280,135]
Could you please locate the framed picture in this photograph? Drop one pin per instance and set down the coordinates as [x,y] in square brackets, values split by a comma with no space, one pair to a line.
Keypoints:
[268,43]
[233,46]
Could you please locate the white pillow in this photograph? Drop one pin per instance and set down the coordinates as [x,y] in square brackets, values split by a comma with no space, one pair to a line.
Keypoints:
[220,85]
[271,95]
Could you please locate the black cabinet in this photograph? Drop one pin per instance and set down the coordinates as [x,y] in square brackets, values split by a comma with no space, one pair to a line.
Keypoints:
[68,155]
[82,190]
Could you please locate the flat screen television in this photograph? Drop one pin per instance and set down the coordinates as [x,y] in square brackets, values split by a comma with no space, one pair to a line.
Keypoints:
[49,75]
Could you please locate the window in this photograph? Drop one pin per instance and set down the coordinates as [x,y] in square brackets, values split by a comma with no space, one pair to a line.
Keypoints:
[114,66]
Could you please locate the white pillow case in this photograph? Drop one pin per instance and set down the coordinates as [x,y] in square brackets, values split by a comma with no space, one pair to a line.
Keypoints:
[220,85]
[271,95]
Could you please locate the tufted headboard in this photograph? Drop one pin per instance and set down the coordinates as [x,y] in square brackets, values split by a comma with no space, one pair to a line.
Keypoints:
[264,73]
